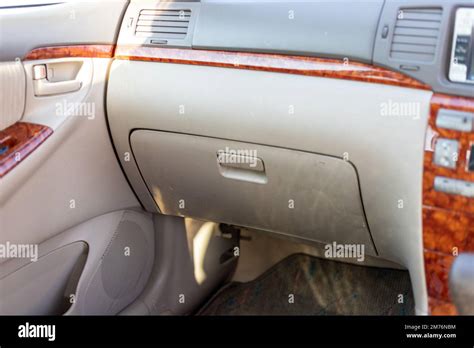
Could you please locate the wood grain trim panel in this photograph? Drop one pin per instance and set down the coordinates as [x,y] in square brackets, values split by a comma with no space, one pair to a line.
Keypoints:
[308,66]
[82,51]
[18,141]
[448,220]
[437,267]
[430,196]
[439,307]
[447,231]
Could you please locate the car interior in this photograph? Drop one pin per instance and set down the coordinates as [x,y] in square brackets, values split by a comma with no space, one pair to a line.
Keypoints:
[237,157]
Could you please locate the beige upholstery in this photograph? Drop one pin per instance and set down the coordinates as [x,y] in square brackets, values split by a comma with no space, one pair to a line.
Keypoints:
[12,93]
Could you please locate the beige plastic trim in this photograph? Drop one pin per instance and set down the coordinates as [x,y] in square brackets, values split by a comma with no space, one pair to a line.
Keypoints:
[64,22]
[38,288]
[187,267]
[304,194]
[70,177]
[12,93]
[92,296]
[53,110]
[59,253]
[327,116]
[44,87]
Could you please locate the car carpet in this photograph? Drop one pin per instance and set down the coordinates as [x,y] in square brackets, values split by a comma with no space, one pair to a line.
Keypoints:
[306,285]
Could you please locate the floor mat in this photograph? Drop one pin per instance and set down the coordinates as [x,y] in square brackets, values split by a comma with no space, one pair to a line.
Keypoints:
[305,285]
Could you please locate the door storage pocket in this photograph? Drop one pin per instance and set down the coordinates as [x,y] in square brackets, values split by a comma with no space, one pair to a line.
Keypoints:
[43,286]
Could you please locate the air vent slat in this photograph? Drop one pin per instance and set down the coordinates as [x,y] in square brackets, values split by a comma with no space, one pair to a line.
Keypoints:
[148,29]
[423,49]
[166,12]
[163,23]
[421,16]
[416,34]
[164,18]
[412,56]
[417,24]
[422,10]
[414,40]
[159,36]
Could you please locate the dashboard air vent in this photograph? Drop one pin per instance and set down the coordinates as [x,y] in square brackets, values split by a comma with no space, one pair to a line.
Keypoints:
[163,23]
[416,34]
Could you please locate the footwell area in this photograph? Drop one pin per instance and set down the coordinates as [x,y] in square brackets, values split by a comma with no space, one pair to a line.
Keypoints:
[305,285]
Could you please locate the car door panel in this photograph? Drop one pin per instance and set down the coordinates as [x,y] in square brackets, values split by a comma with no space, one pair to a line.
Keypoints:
[51,195]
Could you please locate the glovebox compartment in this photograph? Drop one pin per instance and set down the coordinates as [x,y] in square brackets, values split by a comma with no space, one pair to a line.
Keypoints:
[297,193]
